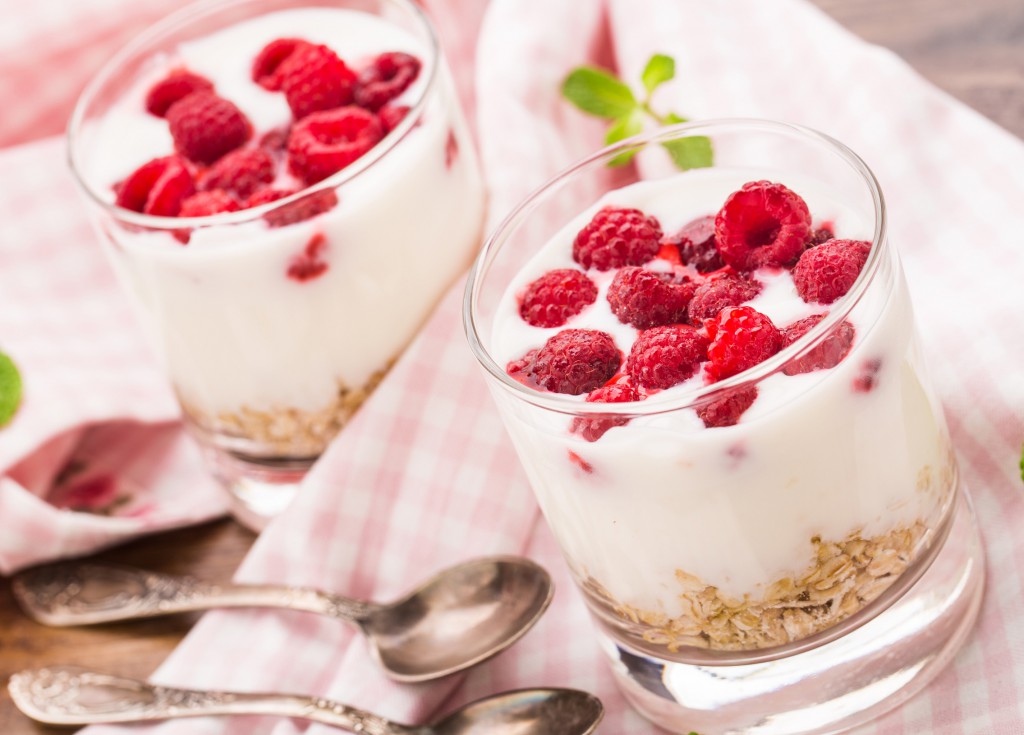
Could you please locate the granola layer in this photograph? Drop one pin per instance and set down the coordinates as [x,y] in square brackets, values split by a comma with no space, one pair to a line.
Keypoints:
[286,431]
[845,576]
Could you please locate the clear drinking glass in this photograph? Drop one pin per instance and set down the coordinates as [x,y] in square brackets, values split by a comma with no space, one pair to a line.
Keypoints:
[800,571]
[274,326]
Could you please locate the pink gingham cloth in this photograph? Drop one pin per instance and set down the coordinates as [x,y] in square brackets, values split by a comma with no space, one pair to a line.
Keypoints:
[424,476]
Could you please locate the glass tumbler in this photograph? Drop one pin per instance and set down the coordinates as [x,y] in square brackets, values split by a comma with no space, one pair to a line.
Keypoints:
[276,321]
[798,564]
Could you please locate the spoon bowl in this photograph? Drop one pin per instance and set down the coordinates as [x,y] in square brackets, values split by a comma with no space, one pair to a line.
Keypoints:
[75,696]
[458,618]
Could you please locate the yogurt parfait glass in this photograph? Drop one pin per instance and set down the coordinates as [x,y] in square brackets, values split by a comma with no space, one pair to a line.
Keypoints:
[275,315]
[781,545]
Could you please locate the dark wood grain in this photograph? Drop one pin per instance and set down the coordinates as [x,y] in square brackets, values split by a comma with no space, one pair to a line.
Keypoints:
[975,51]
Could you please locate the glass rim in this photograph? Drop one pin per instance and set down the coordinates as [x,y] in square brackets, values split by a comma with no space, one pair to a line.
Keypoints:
[181,19]
[571,405]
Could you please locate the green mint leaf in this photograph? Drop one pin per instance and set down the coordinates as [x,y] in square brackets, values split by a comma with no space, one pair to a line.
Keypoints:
[672,118]
[659,69]
[1022,464]
[10,389]
[690,152]
[598,92]
[626,126]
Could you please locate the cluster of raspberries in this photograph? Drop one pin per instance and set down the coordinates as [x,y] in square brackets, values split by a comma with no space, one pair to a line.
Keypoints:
[218,166]
[688,308]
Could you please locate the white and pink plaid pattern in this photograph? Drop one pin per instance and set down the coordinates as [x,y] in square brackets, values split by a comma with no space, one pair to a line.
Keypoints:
[424,476]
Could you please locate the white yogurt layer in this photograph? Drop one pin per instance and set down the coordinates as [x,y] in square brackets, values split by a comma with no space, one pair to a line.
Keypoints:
[234,331]
[734,506]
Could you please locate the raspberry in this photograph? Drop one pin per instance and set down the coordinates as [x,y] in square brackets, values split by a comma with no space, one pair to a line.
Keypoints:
[727,409]
[205,127]
[391,115]
[326,142]
[647,299]
[314,79]
[762,224]
[275,142]
[267,65]
[868,378]
[616,237]
[714,295]
[821,235]
[300,210]
[555,297]
[826,354]
[157,187]
[696,243]
[388,76]
[741,338]
[573,361]
[825,273]
[308,265]
[241,172]
[593,428]
[176,85]
[205,203]
[664,356]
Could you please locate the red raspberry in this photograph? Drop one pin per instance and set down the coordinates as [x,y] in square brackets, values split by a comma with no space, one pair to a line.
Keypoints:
[821,235]
[825,273]
[391,115]
[326,142]
[866,381]
[727,409]
[664,356]
[645,299]
[300,210]
[308,264]
[205,127]
[241,172]
[266,68]
[616,237]
[176,85]
[314,79]
[388,76]
[762,224]
[593,428]
[826,354]
[205,203]
[741,338]
[275,142]
[555,297]
[574,361]
[157,187]
[696,243]
[714,295]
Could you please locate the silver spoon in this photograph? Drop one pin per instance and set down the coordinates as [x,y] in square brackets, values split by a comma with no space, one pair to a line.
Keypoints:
[73,696]
[461,616]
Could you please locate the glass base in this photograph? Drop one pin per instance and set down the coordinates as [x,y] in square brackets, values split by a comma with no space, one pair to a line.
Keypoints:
[260,489]
[835,686]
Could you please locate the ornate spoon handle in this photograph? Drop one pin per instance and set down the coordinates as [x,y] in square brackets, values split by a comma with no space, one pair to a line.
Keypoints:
[83,594]
[73,696]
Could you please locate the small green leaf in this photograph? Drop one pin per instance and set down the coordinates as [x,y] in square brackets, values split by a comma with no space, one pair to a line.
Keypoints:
[1022,464]
[598,92]
[626,126]
[672,118]
[10,389]
[659,69]
[691,152]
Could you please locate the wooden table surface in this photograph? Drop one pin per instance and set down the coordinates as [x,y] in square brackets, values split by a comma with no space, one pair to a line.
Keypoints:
[975,51]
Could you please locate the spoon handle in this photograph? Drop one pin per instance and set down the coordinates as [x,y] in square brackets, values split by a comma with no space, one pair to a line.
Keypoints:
[74,696]
[84,594]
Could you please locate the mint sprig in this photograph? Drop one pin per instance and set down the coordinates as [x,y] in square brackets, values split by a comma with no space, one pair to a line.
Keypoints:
[602,94]
[10,389]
